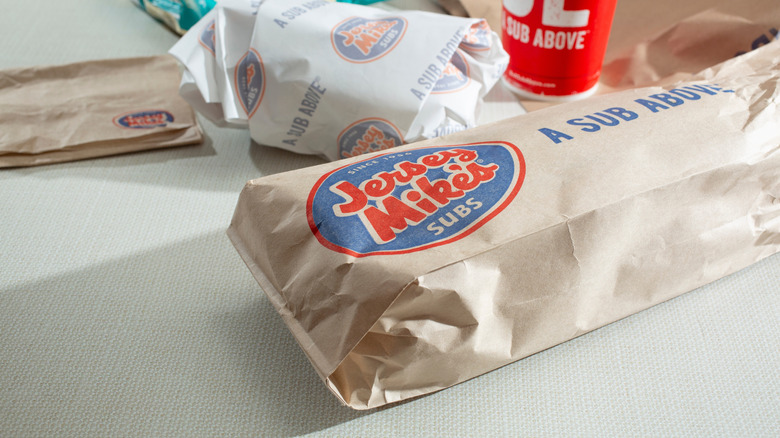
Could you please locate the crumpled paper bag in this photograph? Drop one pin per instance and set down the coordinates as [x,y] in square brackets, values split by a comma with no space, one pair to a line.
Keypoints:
[405,272]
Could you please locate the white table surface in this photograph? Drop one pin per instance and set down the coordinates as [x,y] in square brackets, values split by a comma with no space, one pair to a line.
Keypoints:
[125,311]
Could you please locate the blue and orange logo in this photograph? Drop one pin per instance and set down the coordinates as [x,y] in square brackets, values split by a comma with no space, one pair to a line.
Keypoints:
[144,119]
[249,79]
[477,37]
[361,40]
[455,76]
[207,38]
[368,135]
[408,201]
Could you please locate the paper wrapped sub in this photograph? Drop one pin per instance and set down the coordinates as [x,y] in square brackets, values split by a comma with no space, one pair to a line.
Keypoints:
[407,271]
[336,79]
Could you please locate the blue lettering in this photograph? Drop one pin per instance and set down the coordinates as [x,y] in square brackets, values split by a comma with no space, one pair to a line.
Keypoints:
[588,127]
[667,99]
[702,88]
[622,113]
[610,121]
[652,106]
[685,94]
[554,135]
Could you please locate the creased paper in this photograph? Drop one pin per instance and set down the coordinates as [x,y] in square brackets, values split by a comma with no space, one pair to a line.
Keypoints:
[405,272]
[335,79]
[90,109]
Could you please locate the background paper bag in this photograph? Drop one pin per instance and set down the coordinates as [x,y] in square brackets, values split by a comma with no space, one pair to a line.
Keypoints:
[91,109]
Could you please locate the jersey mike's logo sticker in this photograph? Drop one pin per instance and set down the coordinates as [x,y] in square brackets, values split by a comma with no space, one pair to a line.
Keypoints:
[455,76]
[408,201]
[144,119]
[477,36]
[368,135]
[207,38]
[249,78]
[361,40]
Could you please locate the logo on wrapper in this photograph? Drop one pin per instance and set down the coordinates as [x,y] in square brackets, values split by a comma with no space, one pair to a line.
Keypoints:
[249,79]
[207,38]
[368,135]
[361,40]
[455,76]
[477,37]
[144,119]
[412,200]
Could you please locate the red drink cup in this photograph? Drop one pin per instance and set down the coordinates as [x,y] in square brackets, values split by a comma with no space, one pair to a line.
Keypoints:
[556,47]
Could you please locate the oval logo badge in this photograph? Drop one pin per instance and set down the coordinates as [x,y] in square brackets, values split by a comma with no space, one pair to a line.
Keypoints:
[413,200]
[368,135]
[361,40]
[207,38]
[249,79]
[144,119]
[477,37]
[455,75]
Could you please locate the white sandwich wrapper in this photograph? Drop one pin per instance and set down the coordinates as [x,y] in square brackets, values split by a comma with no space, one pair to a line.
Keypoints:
[338,80]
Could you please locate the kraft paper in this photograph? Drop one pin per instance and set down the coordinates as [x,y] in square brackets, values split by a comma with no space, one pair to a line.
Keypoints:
[495,243]
[52,114]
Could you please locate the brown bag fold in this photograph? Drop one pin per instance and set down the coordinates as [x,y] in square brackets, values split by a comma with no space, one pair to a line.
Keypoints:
[627,200]
[91,109]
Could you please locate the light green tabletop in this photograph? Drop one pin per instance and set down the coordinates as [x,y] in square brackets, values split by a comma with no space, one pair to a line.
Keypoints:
[125,311]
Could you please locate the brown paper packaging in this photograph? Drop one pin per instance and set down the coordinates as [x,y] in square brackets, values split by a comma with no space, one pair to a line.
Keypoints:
[91,109]
[627,200]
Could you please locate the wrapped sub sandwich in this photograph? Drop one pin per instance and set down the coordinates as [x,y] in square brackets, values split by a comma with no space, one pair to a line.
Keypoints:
[407,271]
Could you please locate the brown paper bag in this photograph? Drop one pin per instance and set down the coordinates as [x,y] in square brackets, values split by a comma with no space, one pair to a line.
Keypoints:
[405,272]
[92,109]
